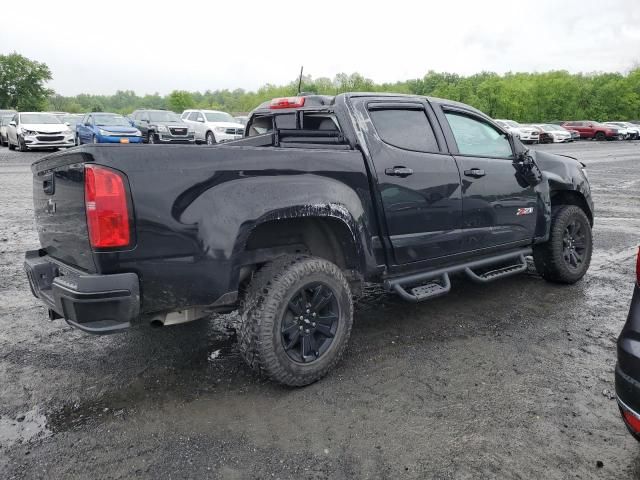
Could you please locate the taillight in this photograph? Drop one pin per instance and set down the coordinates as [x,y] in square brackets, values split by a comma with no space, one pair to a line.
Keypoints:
[105,200]
[631,419]
[287,102]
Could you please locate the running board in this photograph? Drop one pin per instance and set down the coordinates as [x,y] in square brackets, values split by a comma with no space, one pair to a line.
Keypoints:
[431,288]
[426,291]
[498,272]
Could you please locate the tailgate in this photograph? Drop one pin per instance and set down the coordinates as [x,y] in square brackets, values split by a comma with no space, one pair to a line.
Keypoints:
[58,201]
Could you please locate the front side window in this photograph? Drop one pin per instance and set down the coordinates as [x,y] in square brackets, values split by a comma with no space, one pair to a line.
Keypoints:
[476,137]
[408,129]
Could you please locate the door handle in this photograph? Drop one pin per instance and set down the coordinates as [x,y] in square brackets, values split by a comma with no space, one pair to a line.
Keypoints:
[475,172]
[398,171]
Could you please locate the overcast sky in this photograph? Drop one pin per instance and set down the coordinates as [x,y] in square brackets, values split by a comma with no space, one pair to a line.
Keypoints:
[104,46]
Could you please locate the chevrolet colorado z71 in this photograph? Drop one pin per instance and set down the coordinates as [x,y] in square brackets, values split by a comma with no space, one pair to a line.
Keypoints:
[323,194]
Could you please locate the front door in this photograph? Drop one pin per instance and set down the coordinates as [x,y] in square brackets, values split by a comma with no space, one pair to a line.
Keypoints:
[499,208]
[418,181]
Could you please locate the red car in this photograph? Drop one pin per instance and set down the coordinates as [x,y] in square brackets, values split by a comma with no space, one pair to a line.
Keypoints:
[591,129]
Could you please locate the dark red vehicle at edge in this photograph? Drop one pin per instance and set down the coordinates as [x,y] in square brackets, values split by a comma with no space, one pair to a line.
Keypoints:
[591,129]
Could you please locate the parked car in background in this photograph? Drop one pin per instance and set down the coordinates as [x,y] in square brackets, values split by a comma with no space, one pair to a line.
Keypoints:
[31,130]
[628,367]
[526,134]
[243,119]
[104,127]
[162,126]
[7,112]
[623,132]
[575,135]
[543,136]
[212,126]
[557,133]
[633,131]
[593,130]
[4,123]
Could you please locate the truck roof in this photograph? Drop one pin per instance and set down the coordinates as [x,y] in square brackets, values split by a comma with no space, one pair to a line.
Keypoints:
[319,102]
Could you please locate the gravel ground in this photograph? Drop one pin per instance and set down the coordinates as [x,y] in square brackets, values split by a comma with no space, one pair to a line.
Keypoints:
[513,380]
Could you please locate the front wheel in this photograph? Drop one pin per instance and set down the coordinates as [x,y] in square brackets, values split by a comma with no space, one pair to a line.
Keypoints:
[151,137]
[566,256]
[211,140]
[21,145]
[296,319]
[600,136]
[9,144]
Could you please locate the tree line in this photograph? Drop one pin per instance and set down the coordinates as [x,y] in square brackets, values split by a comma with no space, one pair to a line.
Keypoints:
[526,97]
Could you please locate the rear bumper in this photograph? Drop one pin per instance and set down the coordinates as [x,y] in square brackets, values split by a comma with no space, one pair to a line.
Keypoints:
[93,303]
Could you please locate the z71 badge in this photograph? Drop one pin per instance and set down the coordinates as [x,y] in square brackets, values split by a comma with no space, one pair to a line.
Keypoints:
[524,211]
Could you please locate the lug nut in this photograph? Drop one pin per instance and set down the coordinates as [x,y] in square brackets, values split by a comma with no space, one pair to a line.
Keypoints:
[306,331]
[313,314]
[300,327]
[308,310]
[313,324]
[301,317]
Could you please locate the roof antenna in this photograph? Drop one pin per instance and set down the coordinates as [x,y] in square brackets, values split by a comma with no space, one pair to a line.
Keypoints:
[300,79]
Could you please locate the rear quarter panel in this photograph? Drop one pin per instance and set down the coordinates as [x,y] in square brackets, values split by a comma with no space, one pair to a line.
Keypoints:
[196,206]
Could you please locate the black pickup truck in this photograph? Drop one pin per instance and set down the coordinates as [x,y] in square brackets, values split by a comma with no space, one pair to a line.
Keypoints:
[322,195]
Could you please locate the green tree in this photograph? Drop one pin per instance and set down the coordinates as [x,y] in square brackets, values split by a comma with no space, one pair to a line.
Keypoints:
[22,83]
[180,100]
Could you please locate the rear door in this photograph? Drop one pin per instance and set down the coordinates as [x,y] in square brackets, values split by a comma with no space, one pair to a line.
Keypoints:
[418,181]
[497,208]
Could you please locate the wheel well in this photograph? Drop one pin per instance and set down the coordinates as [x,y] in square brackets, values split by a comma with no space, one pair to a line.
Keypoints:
[569,197]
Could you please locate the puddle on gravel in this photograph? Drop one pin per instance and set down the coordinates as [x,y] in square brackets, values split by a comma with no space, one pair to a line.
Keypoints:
[25,427]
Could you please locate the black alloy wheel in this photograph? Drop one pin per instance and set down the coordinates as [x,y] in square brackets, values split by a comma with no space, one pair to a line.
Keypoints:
[310,323]
[574,245]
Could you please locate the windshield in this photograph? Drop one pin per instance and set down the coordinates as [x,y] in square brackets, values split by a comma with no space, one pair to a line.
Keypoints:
[6,119]
[163,117]
[111,121]
[219,117]
[38,118]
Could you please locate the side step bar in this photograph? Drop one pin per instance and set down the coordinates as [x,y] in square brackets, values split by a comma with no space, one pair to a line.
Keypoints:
[434,289]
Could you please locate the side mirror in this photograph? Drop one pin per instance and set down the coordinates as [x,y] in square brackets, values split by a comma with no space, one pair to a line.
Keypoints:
[200,119]
[67,124]
[590,125]
[12,123]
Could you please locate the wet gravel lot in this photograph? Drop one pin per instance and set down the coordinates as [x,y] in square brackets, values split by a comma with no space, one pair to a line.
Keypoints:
[511,380]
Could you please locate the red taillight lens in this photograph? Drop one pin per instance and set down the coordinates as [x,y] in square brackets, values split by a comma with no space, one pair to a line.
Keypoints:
[631,420]
[287,102]
[105,200]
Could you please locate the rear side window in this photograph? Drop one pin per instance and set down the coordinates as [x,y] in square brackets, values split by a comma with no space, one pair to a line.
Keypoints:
[404,128]
[476,137]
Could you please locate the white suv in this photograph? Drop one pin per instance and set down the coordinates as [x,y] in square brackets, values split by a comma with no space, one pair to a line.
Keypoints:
[212,126]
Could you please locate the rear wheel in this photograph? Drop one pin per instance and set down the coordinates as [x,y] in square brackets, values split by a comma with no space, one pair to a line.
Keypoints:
[600,136]
[77,139]
[94,139]
[296,319]
[566,256]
